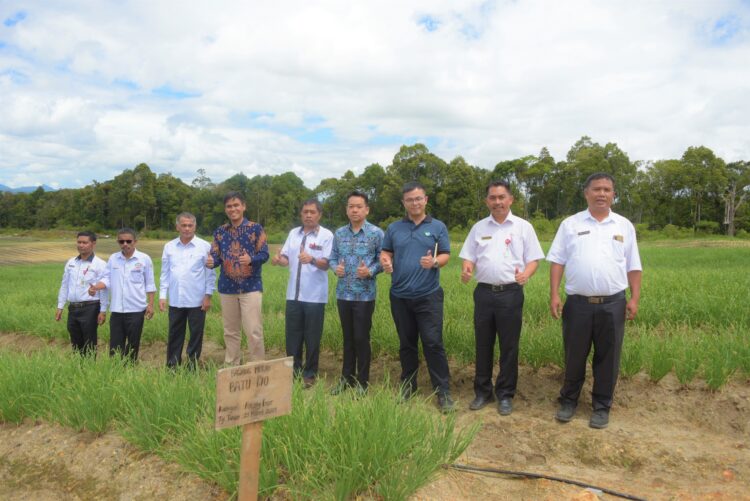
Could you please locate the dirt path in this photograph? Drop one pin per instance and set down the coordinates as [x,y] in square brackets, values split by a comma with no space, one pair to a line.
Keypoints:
[664,441]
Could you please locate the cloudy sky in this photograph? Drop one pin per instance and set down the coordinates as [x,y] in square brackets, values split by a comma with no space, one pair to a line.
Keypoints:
[90,88]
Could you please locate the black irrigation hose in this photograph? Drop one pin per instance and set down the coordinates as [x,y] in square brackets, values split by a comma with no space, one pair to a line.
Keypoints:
[546,477]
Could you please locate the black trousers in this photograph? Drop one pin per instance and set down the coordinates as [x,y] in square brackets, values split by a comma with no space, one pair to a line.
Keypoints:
[125,333]
[304,326]
[82,326]
[195,318]
[415,319]
[600,325]
[356,322]
[497,315]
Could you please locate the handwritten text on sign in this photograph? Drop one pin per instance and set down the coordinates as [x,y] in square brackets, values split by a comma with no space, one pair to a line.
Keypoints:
[253,392]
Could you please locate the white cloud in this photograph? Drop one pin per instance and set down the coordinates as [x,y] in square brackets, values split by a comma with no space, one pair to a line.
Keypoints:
[486,80]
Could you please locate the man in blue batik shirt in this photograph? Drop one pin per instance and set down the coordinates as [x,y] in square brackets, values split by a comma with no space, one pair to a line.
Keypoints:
[355,258]
[240,248]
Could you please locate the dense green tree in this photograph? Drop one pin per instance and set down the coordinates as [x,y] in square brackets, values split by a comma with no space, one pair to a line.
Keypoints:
[698,190]
[703,178]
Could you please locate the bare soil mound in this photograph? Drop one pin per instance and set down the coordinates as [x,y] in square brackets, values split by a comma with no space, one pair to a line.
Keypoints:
[664,441]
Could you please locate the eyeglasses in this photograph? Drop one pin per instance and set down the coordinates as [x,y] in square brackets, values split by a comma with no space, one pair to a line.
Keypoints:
[124,242]
[415,200]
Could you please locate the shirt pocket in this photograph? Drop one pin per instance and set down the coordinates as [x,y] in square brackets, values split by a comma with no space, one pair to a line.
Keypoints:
[618,247]
[197,263]
[136,276]
[579,240]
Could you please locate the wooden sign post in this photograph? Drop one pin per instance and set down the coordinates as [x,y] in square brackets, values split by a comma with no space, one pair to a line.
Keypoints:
[247,395]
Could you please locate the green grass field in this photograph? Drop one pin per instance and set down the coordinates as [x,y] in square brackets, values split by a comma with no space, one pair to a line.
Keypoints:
[693,317]
[327,448]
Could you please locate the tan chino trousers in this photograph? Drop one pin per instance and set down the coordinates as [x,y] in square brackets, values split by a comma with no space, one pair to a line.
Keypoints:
[242,311]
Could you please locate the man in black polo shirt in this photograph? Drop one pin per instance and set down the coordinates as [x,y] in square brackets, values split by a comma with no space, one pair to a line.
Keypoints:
[414,250]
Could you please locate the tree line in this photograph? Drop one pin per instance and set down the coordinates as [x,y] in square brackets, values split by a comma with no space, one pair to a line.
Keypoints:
[698,191]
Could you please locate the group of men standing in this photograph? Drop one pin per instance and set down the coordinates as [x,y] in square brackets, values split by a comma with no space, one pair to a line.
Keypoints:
[595,250]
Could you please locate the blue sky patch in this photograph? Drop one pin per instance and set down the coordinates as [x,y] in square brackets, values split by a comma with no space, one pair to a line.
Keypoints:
[15,76]
[323,135]
[724,29]
[127,84]
[429,23]
[168,92]
[15,19]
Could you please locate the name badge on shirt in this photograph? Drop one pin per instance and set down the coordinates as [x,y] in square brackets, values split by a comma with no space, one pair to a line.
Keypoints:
[619,238]
[487,238]
[315,246]
[583,232]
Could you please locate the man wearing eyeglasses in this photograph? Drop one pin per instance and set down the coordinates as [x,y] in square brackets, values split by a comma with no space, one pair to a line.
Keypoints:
[414,250]
[129,276]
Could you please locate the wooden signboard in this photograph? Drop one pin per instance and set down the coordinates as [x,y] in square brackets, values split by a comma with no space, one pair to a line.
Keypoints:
[247,395]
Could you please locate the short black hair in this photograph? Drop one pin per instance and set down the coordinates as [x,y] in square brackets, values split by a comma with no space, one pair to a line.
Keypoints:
[360,194]
[184,215]
[90,234]
[496,183]
[312,201]
[598,175]
[234,194]
[411,186]
[127,231]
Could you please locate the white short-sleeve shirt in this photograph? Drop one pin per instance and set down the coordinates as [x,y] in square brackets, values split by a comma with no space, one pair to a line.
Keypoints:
[497,249]
[597,255]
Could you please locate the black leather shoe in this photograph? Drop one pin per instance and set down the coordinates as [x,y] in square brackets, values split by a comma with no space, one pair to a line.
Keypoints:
[599,419]
[340,388]
[479,402]
[406,393]
[505,406]
[446,403]
[566,412]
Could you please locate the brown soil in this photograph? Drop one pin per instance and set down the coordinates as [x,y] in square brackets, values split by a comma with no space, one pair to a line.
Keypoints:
[664,441]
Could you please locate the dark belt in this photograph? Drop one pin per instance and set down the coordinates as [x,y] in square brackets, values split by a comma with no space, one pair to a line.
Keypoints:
[81,304]
[501,287]
[597,299]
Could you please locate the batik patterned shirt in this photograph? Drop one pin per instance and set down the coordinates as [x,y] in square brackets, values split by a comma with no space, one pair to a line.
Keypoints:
[352,249]
[230,243]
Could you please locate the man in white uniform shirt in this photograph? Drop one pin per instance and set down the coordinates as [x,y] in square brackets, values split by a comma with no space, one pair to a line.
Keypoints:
[188,284]
[597,251]
[85,314]
[306,253]
[129,276]
[502,251]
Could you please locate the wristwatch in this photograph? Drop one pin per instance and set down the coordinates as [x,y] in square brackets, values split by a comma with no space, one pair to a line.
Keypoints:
[313,261]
